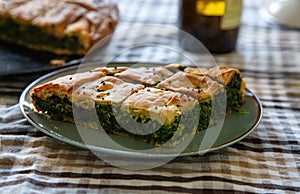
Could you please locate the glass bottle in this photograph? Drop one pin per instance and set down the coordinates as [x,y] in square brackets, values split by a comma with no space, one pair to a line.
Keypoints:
[215,23]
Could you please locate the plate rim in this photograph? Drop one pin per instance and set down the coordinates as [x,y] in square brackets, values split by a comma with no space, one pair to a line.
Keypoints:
[55,135]
[48,69]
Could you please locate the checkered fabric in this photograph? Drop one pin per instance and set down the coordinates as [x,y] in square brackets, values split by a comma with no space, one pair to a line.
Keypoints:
[266,161]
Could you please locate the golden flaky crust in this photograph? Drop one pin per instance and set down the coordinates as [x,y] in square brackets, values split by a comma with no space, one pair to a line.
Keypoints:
[86,89]
[63,87]
[145,75]
[222,74]
[89,20]
[199,87]
[161,105]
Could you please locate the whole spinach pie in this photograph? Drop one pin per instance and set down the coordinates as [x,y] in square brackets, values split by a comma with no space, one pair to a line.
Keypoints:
[64,27]
[132,101]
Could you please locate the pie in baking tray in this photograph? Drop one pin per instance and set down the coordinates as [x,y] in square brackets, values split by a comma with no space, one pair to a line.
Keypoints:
[157,97]
[64,27]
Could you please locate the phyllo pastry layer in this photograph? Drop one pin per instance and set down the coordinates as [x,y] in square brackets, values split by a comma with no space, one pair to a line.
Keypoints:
[199,87]
[231,78]
[148,76]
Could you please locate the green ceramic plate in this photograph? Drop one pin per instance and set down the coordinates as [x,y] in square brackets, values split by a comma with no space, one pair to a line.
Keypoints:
[236,127]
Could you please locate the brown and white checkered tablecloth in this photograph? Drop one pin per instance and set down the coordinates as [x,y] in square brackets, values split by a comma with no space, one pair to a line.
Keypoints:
[267,161]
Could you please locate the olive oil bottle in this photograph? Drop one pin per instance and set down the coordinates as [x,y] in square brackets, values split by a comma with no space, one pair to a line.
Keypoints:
[215,23]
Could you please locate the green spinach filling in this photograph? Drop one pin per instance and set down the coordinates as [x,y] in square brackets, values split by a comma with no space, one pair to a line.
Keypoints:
[174,131]
[61,109]
[27,34]
[57,108]
[233,93]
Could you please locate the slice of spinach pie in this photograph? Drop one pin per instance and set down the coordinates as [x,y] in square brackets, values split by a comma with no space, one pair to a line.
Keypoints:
[159,116]
[201,88]
[231,78]
[157,105]
[64,27]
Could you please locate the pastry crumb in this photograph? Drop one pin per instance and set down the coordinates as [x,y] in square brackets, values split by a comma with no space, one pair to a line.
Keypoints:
[57,62]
